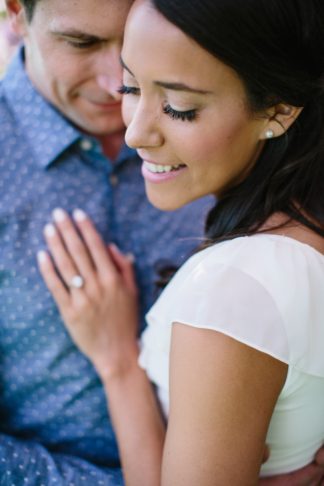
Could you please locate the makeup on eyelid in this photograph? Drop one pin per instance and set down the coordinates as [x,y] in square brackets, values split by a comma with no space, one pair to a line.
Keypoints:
[175,114]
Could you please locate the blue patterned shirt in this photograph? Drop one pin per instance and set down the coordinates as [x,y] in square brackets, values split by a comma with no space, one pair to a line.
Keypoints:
[53,417]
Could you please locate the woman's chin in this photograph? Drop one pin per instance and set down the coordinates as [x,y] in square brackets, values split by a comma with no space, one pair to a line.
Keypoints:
[165,203]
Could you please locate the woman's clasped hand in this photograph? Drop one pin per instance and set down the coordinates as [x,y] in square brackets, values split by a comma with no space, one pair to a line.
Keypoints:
[101,310]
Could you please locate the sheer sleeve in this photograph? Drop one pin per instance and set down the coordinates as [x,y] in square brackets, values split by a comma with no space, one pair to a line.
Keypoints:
[265,292]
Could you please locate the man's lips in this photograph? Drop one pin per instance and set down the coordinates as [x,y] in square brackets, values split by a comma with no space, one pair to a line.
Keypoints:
[114,104]
[104,103]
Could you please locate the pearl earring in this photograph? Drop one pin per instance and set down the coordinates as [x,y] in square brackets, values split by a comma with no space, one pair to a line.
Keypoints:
[269,133]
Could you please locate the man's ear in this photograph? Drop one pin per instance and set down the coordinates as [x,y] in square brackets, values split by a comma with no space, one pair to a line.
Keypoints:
[17,17]
[280,119]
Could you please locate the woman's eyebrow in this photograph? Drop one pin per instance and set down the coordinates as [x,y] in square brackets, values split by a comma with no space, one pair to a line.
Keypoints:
[180,87]
[170,85]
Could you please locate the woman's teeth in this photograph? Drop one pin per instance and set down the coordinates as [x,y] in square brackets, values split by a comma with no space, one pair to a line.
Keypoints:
[155,168]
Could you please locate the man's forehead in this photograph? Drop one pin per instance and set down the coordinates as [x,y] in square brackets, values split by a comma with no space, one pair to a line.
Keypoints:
[83,15]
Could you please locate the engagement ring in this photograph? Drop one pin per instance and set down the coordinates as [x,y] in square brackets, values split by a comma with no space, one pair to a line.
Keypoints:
[76,282]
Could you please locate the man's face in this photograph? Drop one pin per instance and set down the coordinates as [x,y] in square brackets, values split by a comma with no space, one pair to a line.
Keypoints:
[72,57]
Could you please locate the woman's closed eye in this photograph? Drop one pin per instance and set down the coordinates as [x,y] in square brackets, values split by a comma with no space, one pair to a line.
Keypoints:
[183,115]
[187,115]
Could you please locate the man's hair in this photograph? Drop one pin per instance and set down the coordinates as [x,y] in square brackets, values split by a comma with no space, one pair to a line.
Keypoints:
[29,6]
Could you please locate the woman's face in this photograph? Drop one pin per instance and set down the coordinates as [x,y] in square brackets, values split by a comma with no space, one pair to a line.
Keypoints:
[186,113]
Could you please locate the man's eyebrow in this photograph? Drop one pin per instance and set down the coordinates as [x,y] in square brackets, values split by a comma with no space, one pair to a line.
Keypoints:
[171,86]
[77,34]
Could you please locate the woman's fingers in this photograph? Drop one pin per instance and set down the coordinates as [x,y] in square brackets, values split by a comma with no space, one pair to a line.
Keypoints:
[104,311]
[125,264]
[62,259]
[74,245]
[108,263]
[52,280]
[97,248]
[83,254]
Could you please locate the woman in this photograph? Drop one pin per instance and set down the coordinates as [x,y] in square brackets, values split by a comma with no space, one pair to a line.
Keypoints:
[221,97]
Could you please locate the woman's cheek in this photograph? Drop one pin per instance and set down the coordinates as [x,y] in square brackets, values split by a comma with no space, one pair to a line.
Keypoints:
[128,109]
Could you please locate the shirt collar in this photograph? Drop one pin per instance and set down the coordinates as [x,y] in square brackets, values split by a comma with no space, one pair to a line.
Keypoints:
[47,131]
[126,153]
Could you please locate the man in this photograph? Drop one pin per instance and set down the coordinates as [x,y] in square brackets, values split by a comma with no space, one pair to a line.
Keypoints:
[61,145]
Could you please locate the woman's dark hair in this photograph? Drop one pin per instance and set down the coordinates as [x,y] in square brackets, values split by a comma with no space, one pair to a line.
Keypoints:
[277,49]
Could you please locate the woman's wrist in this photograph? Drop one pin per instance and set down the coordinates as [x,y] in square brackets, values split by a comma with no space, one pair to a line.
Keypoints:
[118,362]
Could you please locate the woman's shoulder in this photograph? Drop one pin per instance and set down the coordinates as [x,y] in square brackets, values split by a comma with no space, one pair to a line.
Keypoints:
[264,257]
[274,268]
[265,290]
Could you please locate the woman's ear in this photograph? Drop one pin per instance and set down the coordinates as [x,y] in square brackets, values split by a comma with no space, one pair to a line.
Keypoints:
[280,119]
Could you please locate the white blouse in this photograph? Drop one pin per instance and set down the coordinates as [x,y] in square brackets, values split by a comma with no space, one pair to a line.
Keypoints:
[266,291]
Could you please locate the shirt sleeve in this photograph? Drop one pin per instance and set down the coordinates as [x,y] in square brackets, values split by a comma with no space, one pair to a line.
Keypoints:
[228,300]
[29,463]
[264,292]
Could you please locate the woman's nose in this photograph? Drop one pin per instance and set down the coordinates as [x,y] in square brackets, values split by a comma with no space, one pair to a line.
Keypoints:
[143,130]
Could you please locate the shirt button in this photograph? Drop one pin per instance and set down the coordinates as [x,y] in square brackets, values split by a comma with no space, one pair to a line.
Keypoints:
[86,144]
[113,180]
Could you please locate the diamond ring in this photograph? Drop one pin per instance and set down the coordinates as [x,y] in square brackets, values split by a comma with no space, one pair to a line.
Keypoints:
[76,282]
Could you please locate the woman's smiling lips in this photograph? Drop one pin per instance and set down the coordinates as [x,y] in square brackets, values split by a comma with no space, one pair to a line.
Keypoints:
[156,173]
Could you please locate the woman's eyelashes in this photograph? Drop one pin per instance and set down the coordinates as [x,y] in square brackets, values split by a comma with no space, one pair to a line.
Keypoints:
[187,115]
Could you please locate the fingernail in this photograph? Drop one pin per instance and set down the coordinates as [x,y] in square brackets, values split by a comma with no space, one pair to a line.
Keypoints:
[49,230]
[115,247]
[59,215]
[130,257]
[79,215]
[42,256]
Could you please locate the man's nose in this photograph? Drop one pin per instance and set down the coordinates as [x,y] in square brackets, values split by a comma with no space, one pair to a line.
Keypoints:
[109,77]
[110,84]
